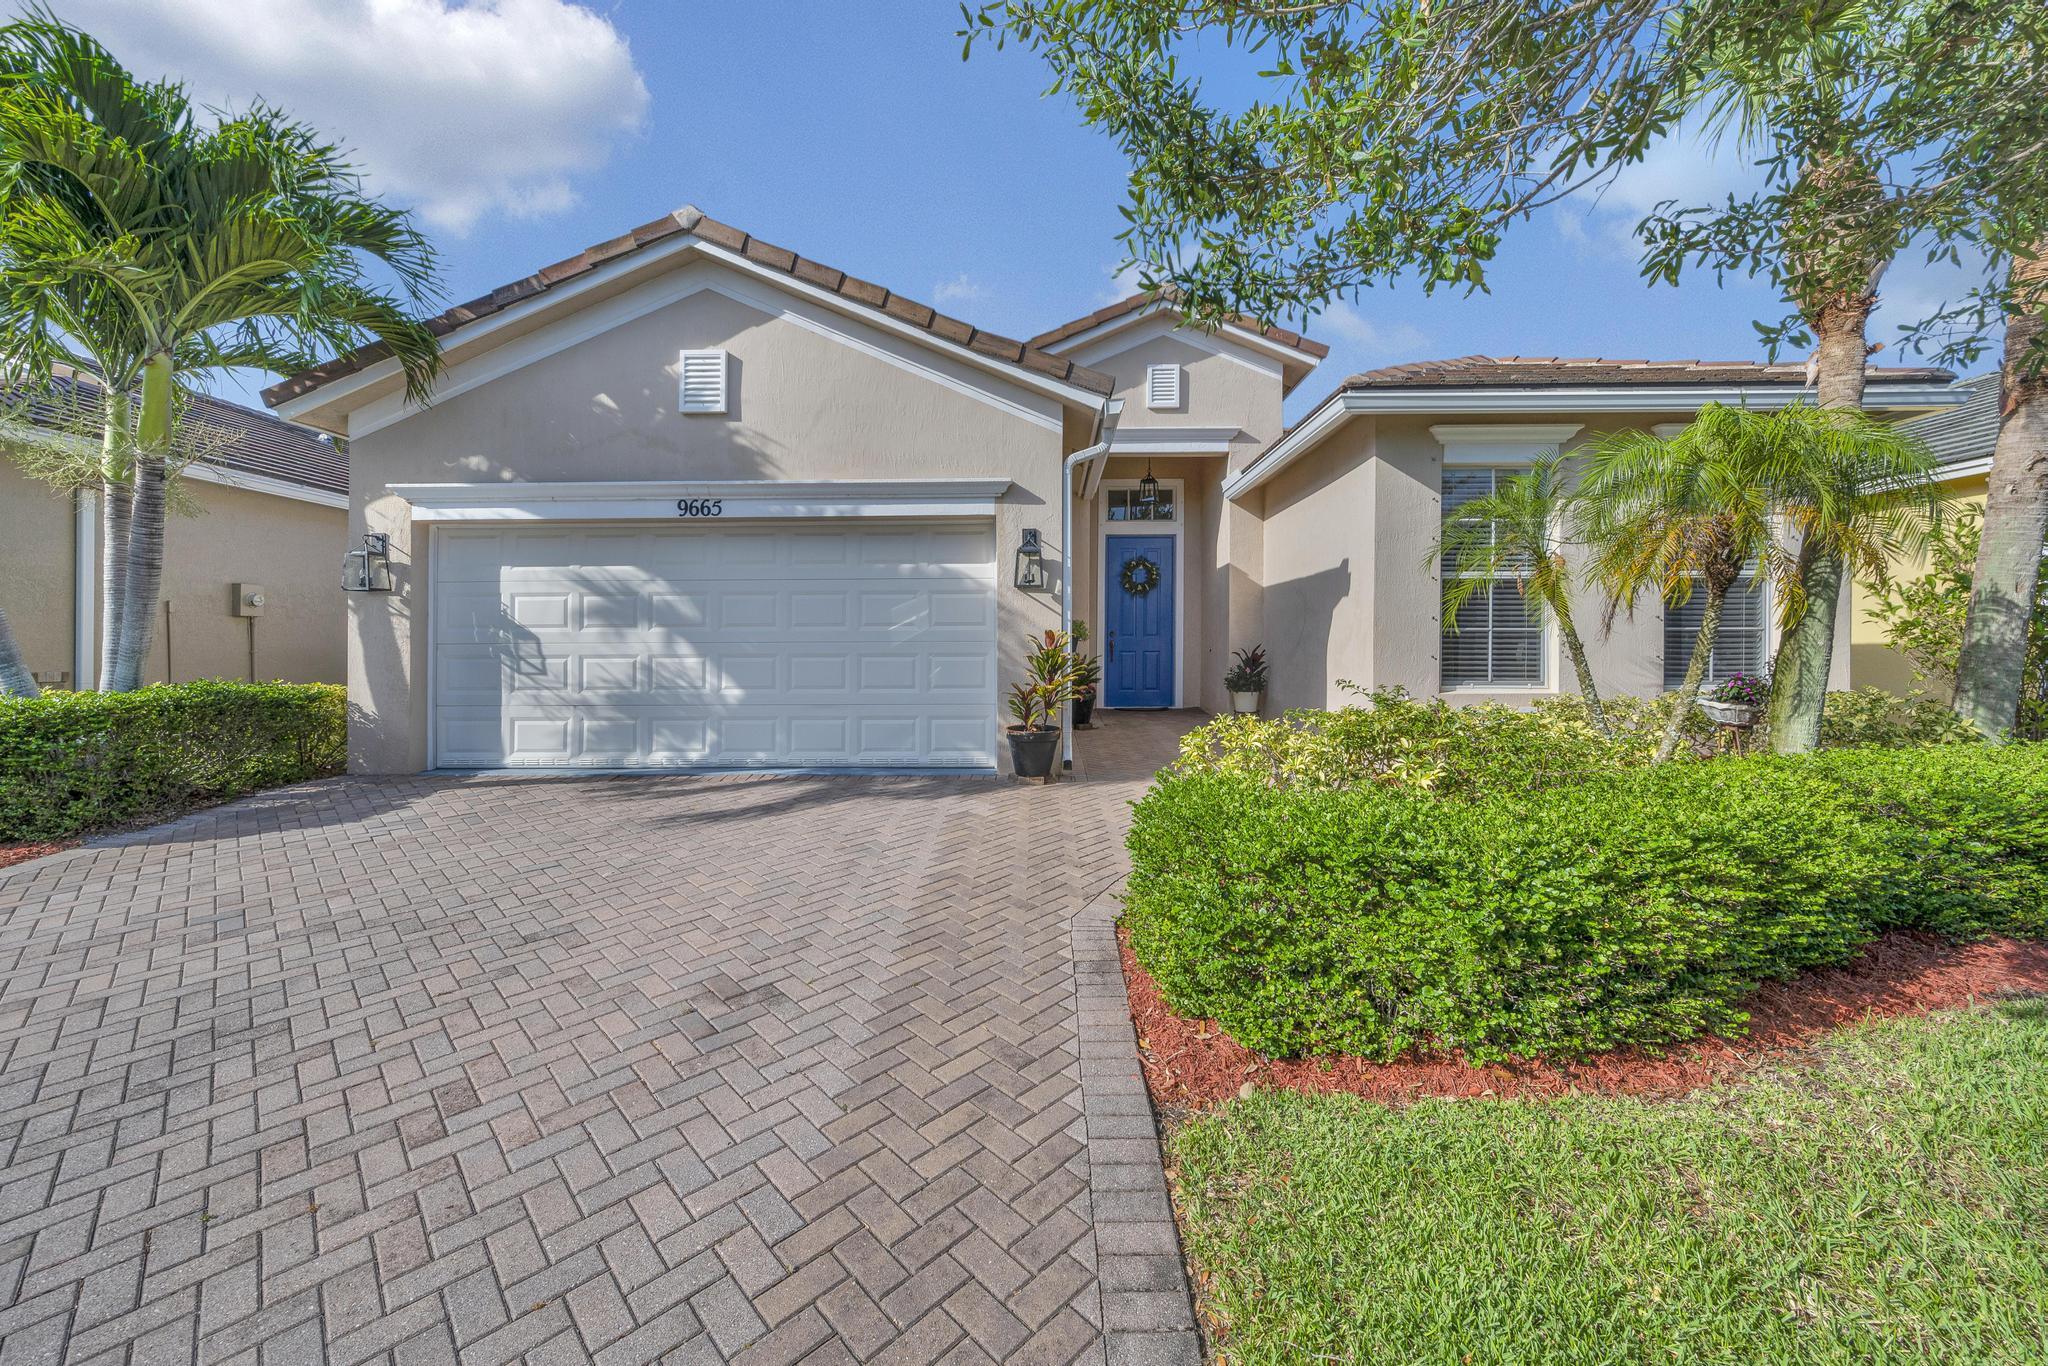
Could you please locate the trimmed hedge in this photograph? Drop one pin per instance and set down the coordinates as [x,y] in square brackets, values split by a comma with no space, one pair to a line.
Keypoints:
[80,761]
[1637,906]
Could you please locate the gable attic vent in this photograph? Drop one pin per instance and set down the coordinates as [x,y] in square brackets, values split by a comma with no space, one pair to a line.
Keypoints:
[1162,386]
[703,382]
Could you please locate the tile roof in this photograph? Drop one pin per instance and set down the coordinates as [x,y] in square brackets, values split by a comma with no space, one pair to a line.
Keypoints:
[1122,307]
[216,432]
[1967,431]
[1465,372]
[692,221]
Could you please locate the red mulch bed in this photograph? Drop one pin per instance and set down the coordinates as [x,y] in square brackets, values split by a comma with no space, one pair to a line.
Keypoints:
[1193,1063]
[21,853]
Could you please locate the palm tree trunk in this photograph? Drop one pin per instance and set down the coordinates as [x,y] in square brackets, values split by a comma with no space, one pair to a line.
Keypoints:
[1806,651]
[15,679]
[1576,648]
[116,496]
[142,580]
[1695,669]
[1994,654]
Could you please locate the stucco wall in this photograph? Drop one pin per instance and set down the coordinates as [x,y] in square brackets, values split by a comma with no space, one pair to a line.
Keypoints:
[803,405]
[218,536]
[1873,662]
[1351,592]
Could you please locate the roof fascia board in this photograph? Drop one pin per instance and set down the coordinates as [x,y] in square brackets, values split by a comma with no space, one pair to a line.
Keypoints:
[650,258]
[1633,398]
[1105,331]
[264,483]
[674,288]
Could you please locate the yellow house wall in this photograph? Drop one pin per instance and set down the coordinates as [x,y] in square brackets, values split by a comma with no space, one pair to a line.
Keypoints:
[1872,661]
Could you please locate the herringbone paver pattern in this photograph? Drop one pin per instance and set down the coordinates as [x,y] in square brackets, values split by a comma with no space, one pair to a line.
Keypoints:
[598,1069]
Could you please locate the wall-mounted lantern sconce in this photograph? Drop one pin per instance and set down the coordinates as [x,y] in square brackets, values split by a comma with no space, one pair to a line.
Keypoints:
[1031,562]
[368,570]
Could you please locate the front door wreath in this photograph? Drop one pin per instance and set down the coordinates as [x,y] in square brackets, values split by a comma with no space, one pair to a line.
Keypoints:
[1140,576]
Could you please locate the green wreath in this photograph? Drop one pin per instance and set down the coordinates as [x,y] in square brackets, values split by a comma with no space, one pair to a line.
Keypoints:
[1140,575]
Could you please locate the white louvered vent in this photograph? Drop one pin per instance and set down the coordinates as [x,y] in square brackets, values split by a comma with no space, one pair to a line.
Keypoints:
[1162,386]
[703,382]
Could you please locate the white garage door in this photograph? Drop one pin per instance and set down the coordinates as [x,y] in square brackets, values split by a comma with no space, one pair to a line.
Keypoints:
[758,644]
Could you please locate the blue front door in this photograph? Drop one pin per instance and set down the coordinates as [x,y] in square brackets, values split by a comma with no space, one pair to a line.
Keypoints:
[1137,664]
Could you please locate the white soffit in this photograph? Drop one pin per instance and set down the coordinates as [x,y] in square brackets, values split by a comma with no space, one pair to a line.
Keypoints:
[1612,398]
[773,292]
[700,500]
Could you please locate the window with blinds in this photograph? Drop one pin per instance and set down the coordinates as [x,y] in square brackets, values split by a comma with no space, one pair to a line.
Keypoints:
[1495,644]
[1738,641]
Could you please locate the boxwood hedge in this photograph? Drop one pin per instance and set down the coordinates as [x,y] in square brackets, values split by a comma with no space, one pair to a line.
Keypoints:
[1636,905]
[78,761]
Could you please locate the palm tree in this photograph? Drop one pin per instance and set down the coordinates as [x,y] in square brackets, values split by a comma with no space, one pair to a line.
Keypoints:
[1514,532]
[143,247]
[1856,494]
[1682,514]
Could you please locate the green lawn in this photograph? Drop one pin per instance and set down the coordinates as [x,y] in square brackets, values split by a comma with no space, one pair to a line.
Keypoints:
[1887,1202]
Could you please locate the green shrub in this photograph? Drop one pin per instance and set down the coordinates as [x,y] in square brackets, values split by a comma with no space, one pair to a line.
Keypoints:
[80,761]
[1872,716]
[1639,905]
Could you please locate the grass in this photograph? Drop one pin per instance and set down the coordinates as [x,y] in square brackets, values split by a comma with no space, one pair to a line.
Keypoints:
[1884,1200]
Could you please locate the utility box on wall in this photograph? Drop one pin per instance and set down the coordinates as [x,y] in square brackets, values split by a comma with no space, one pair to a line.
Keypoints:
[248,599]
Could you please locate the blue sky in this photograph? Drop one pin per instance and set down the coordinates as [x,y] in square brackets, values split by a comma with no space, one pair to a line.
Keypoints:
[524,130]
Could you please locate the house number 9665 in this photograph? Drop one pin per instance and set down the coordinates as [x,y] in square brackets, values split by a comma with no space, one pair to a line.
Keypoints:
[700,507]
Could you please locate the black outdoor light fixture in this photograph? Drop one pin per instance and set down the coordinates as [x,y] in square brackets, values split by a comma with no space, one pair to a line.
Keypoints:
[1031,561]
[368,569]
[1148,487]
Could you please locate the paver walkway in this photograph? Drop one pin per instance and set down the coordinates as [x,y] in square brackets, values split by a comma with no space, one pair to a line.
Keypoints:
[591,1069]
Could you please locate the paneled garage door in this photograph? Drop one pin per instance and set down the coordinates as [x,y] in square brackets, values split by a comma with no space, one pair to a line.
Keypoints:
[757,644]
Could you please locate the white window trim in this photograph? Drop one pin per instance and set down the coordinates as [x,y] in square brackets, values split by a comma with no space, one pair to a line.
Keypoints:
[1551,647]
[1174,529]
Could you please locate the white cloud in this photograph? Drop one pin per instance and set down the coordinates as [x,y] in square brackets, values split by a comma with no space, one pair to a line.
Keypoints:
[1686,167]
[1123,283]
[462,108]
[961,289]
[1342,324]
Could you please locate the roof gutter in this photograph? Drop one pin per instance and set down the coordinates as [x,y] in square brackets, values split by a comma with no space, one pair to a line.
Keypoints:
[1632,398]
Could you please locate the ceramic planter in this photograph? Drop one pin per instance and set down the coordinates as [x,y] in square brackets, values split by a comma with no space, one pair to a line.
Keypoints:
[1731,713]
[1246,703]
[1033,752]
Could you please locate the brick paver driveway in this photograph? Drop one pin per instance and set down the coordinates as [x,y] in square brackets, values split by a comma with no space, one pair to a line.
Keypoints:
[612,1069]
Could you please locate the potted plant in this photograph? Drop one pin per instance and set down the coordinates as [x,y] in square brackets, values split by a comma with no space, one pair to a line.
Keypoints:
[1247,681]
[1739,701]
[1035,703]
[1087,679]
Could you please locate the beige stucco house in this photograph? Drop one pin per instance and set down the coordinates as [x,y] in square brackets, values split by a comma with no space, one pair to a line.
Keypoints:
[688,499]
[262,511]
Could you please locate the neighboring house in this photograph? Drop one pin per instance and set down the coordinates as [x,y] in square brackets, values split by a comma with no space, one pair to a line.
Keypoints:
[265,508]
[689,499]
[1961,439]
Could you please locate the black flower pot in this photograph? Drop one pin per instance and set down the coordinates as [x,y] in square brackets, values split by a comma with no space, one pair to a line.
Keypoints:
[1084,709]
[1033,752]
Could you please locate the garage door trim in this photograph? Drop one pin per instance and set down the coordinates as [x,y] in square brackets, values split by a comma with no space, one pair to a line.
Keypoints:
[671,500]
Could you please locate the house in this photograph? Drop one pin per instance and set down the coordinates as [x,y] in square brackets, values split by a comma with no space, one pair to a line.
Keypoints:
[688,498]
[261,512]
[1961,439]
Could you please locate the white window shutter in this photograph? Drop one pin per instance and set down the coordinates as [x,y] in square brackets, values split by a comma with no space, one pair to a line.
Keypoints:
[703,382]
[1162,386]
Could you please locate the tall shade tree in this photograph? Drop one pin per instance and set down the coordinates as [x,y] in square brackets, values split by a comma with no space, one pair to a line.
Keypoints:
[1517,532]
[1685,514]
[151,247]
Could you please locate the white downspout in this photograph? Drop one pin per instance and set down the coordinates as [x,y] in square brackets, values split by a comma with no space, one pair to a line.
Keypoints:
[85,565]
[1107,430]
